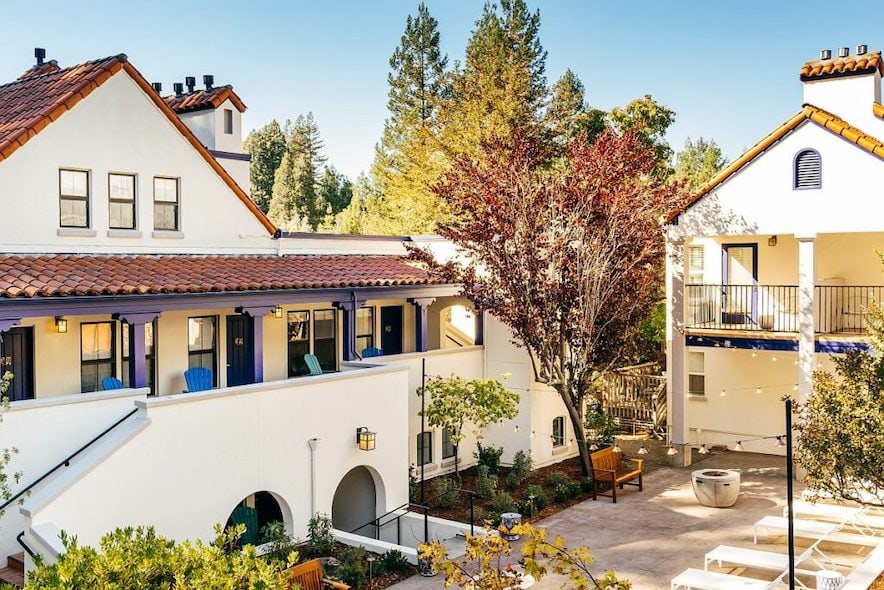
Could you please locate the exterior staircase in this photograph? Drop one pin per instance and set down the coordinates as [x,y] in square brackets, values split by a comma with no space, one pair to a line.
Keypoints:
[14,572]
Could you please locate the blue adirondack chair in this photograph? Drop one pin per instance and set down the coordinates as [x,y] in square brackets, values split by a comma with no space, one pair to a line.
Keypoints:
[198,379]
[313,364]
[370,352]
[249,517]
[109,383]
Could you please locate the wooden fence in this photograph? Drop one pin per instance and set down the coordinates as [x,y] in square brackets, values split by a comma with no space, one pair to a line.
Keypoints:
[635,397]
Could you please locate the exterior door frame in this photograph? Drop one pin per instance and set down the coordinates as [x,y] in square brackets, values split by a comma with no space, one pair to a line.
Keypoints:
[401,321]
[725,260]
[30,386]
[240,375]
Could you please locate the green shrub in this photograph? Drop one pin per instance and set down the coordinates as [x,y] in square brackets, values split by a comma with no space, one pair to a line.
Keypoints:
[541,500]
[556,478]
[489,456]
[444,492]
[281,544]
[320,535]
[502,502]
[587,485]
[485,483]
[352,571]
[392,561]
[412,484]
[566,491]
[521,469]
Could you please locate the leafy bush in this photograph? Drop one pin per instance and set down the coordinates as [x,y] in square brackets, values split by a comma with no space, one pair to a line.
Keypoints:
[521,469]
[489,456]
[540,498]
[320,535]
[444,492]
[412,484]
[600,427]
[587,485]
[392,561]
[556,478]
[283,548]
[352,571]
[485,483]
[566,491]
[502,502]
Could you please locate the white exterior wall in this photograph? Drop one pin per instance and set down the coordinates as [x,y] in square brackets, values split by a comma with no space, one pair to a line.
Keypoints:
[189,459]
[850,98]
[117,128]
[227,142]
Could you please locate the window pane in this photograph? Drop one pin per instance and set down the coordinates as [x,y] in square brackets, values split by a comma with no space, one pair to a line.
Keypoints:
[447,445]
[165,216]
[298,342]
[697,384]
[122,215]
[696,362]
[121,186]
[558,434]
[73,213]
[91,375]
[165,189]
[74,183]
[424,448]
[201,334]
[96,341]
[364,321]
[324,323]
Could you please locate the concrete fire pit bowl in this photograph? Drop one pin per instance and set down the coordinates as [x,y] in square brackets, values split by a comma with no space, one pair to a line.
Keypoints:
[717,488]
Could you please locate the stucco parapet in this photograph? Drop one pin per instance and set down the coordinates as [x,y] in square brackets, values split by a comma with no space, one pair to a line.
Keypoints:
[77,398]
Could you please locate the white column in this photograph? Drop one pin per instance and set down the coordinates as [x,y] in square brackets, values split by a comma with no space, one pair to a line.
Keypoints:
[676,353]
[806,320]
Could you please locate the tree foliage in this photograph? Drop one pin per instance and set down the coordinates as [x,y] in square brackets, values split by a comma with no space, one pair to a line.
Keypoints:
[841,426]
[6,454]
[698,162]
[295,203]
[141,558]
[267,147]
[487,564]
[649,120]
[571,256]
[456,403]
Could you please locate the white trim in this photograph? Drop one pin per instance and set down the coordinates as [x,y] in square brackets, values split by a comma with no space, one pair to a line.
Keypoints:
[76,232]
[76,398]
[124,233]
[167,234]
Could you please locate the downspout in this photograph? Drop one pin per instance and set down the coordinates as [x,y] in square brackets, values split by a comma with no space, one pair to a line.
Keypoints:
[313,443]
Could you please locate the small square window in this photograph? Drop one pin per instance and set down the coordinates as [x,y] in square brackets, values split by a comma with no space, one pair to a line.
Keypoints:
[228,121]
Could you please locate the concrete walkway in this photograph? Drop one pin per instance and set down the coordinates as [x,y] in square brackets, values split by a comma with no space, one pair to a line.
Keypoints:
[650,537]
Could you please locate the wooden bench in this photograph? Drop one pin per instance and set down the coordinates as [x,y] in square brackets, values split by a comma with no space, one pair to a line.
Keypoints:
[309,576]
[607,465]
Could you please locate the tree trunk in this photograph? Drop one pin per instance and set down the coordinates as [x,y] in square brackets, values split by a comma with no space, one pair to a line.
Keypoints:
[457,465]
[576,415]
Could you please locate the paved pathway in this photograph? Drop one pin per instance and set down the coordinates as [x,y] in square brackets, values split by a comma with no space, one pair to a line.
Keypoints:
[650,537]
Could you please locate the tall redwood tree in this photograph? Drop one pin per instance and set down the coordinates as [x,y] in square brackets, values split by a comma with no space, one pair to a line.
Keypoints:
[567,251]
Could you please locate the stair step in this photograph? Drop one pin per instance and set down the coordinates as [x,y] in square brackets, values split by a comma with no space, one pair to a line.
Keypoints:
[16,561]
[12,576]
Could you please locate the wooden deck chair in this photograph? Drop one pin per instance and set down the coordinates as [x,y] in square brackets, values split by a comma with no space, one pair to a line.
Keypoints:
[111,383]
[370,352]
[249,517]
[309,576]
[313,364]
[198,379]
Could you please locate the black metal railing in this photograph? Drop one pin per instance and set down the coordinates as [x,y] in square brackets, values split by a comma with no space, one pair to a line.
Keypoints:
[771,308]
[395,516]
[21,541]
[66,461]
[844,308]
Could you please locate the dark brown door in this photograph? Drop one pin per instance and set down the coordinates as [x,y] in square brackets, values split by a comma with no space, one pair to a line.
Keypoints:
[17,357]
[240,369]
[391,329]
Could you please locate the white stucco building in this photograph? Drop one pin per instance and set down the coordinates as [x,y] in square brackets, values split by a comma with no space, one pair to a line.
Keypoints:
[131,253]
[771,266]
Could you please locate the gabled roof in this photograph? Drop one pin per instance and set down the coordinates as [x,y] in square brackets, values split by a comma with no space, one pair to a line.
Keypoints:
[44,68]
[824,119]
[50,275]
[31,103]
[820,69]
[204,99]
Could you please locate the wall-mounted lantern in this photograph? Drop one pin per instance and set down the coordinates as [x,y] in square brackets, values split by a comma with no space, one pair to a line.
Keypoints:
[277,312]
[772,241]
[61,325]
[365,439]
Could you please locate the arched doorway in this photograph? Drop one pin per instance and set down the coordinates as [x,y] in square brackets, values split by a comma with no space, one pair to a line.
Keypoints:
[356,502]
[255,511]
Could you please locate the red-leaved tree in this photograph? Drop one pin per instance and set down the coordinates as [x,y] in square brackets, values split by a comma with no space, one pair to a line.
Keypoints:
[565,250]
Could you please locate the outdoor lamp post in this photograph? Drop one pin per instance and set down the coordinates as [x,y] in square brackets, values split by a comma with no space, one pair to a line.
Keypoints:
[365,439]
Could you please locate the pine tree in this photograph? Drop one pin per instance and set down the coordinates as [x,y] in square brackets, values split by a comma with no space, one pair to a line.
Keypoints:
[651,120]
[698,162]
[267,147]
[567,104]
[294,203]
[335,191]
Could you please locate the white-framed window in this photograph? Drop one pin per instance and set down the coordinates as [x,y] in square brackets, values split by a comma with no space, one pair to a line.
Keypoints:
[166,202]
[808,170]
[558,431]
[424,448]
[121,201]
[447,445]
[696,264]
[696,373]
[73,198]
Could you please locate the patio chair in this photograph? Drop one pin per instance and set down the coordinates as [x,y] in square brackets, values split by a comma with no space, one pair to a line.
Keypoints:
[111,383]
[815,529]
[309,576]
[198,379]
[763,560]
[370,352]
[695,579]
[856,517]
[313,364]
[248,517]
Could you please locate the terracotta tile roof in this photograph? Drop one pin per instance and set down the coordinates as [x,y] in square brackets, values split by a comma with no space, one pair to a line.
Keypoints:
[204,99]
[878,110]
[49,67]
[62,275]
[851,65]
[824,119]
[29,104]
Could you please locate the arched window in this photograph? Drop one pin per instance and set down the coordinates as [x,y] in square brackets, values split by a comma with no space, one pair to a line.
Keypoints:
[808,170]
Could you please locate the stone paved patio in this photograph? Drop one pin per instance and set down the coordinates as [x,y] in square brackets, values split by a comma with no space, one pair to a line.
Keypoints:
[650,537]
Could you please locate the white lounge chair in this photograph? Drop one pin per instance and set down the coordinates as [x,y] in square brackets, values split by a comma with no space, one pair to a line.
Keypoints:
[857,517]
[694,579]
[763,560]
[802,528]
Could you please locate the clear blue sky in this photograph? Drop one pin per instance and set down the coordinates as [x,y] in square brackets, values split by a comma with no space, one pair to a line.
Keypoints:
[728,69]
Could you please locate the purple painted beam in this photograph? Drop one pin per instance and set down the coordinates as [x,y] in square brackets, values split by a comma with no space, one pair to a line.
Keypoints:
[420,321]
[258,348]
[349,307]
[137,351]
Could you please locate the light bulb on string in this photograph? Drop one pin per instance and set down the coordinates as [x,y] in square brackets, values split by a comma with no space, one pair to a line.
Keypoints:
[795,362]
[739,446]
[516,429]
[616,448]
[672,451]
[723,393]
[758,390]
[532,434]
[795,387]
[593,447]
[773,358]
[780,442]
[754,354]
[703,450]
[642,450]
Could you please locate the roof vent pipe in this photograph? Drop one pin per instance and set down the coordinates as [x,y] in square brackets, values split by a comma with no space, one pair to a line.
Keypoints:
[190,82]
[862,49]
[844,52]
[40,54]
[826,54]
[209,81]
[179,88]
[158,87]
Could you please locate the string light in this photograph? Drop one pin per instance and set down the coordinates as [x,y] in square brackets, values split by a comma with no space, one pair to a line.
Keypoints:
[672,451]
[795,362]
[723,393]
[703,450]
[758,390]
[773,358]
[754,354]
[780,442]
[616,448]
[532,434]
[739,446]
[642,450]
[593,447]
[516,429]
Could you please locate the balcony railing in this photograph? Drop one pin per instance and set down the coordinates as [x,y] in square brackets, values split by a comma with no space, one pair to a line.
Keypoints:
[774,308]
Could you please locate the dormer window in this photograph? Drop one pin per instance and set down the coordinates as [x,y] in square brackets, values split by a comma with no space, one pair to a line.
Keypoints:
[808,170]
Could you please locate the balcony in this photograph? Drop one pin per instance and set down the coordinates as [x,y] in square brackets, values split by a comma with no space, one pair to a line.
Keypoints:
[838,309]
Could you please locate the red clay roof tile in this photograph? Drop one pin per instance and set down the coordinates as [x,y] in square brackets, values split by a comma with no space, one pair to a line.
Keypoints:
[61,275]
[204,99]
[851,65]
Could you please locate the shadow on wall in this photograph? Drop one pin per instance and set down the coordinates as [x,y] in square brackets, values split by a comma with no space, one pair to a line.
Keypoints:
[359,499]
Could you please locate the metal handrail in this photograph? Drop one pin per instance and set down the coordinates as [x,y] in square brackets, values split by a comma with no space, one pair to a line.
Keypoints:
[21,541]
[66,461]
